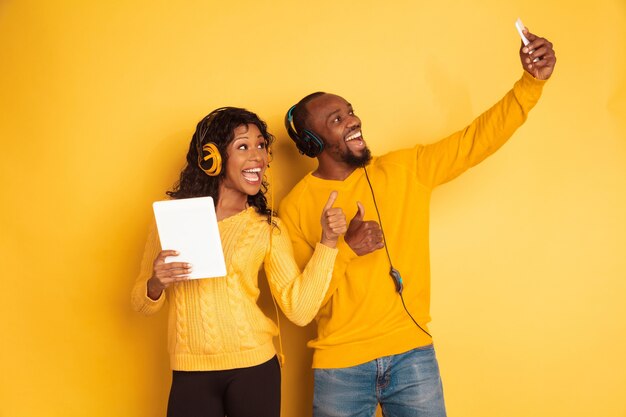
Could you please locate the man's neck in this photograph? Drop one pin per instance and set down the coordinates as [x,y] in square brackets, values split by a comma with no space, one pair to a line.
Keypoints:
[335,173]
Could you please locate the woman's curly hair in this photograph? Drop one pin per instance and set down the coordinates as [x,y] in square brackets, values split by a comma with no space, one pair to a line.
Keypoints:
[219,127]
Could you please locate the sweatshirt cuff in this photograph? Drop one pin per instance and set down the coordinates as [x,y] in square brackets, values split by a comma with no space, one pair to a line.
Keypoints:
[528,82]
[346,254]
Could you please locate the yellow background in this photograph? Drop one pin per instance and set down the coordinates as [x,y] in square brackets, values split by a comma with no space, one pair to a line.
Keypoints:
[99,101]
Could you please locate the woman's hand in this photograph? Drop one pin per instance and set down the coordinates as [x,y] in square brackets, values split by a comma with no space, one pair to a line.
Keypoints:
[165,274]
[333,222]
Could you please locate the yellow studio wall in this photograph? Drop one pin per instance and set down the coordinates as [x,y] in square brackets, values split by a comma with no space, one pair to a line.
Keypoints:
[99,101]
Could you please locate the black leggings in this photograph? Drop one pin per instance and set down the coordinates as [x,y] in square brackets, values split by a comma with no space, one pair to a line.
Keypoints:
[244,392]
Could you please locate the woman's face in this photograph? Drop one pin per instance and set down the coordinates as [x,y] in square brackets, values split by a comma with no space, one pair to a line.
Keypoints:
[247,160]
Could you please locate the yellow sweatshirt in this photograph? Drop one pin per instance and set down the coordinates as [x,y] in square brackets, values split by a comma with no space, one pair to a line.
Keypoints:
[215,323]
[362,317]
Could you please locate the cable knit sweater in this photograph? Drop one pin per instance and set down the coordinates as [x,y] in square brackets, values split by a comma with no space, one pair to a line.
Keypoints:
[215,323]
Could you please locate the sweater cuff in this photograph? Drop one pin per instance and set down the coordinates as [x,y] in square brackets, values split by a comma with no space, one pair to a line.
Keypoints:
[147,305]
[325,253]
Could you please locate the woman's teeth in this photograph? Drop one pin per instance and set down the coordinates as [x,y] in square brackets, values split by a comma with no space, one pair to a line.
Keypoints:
[251,174]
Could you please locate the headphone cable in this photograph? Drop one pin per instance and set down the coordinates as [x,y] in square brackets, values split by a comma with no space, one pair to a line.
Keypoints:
[380,222]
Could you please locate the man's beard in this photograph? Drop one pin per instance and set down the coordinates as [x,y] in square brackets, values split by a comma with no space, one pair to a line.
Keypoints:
[357,161]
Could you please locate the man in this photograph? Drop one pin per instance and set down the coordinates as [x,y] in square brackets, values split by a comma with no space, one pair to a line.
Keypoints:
[373,345]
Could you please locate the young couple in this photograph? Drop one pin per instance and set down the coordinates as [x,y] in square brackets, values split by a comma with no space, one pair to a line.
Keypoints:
[366,281]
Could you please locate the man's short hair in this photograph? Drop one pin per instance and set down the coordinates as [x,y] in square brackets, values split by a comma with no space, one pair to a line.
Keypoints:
[300,112]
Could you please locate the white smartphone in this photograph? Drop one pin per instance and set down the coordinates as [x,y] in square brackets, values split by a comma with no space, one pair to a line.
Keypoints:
[520,29]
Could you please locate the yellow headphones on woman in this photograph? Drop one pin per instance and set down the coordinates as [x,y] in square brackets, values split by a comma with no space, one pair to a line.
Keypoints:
[209,157]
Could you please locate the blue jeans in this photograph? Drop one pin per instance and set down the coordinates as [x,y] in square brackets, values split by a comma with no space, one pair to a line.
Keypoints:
[405,385]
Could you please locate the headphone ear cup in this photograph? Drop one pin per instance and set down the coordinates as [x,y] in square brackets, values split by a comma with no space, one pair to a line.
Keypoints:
[314,144]
[210,159]
[308,144]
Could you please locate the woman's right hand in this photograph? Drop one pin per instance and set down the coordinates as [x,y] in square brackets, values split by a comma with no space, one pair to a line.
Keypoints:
[333,222]
[165,274]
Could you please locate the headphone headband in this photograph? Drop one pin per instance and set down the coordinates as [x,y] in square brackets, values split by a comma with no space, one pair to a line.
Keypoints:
[208,153]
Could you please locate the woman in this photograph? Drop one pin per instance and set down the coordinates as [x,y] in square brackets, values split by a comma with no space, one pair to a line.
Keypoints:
[220,342]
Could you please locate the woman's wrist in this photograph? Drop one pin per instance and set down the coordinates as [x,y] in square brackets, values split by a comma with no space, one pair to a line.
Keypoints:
[331,243]
[155,289]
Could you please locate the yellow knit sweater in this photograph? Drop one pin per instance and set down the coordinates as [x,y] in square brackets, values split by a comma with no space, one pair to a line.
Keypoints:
[362,317]
[215,323]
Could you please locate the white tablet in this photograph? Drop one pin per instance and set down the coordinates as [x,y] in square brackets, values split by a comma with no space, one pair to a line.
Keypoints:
[189,226]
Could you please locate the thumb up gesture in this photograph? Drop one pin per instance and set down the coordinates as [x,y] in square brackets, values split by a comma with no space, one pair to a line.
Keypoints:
[363,236]
[333,222]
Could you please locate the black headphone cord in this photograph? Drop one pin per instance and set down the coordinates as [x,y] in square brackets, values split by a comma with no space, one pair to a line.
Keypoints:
[380,222]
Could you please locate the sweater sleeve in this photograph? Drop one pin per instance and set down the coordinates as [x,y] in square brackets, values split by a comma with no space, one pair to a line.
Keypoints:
[345,255]
[442,161]
[299,294]
[303,250]
[139,296]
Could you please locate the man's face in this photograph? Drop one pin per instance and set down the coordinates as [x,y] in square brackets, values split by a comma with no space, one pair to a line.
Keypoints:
[333,120]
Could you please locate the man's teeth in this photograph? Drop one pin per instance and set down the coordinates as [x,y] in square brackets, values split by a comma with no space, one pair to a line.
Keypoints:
[357,135]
